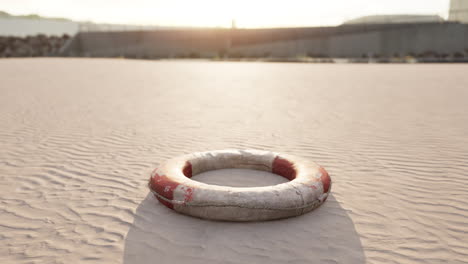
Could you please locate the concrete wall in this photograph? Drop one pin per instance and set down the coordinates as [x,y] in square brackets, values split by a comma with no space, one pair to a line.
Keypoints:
[355,45]
[442,38]
[166,43]
[343,41]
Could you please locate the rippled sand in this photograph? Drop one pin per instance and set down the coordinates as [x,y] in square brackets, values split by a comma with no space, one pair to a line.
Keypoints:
[79,138]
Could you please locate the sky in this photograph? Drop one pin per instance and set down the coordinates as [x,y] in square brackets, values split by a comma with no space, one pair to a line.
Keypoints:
[219,13]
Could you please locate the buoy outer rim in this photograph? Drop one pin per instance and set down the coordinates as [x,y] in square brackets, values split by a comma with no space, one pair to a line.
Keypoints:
[308,188]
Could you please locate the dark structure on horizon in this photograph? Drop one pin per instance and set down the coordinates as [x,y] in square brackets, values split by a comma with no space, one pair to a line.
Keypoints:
[345,41]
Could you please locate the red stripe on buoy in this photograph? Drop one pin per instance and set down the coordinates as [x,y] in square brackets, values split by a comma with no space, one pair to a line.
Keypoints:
[187,170]
[325,179]
[284,168]
[165,187]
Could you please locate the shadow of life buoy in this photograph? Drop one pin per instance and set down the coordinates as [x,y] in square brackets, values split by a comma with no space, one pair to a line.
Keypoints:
[160,235]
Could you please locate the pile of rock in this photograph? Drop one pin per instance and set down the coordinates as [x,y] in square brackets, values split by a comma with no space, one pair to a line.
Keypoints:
[32,46]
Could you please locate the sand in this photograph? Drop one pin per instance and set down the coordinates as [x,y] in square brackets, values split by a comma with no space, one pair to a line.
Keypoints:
[79,138]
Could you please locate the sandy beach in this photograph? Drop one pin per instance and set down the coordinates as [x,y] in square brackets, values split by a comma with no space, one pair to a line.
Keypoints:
[79,138]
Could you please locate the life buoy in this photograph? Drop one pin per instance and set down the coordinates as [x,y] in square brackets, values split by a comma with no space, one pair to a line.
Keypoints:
[308,188]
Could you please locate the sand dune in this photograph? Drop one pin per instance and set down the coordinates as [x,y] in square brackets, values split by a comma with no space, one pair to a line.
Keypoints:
[79,138]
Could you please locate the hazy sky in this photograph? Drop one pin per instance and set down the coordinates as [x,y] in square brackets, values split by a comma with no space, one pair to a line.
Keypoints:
[247,13]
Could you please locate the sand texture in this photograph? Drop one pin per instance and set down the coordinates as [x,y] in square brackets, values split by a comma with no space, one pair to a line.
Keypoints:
[79,138]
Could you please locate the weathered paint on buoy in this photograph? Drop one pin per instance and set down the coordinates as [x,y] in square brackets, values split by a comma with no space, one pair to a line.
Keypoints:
[308,187]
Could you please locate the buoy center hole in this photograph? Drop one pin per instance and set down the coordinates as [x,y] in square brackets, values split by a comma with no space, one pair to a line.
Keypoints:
[239,178]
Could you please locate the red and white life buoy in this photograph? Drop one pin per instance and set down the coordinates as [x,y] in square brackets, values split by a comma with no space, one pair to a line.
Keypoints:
[307,189]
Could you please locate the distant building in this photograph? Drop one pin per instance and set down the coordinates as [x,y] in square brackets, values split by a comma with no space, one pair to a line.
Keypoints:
[21,27]
[395,19]
[459,11]
[29,25]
